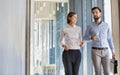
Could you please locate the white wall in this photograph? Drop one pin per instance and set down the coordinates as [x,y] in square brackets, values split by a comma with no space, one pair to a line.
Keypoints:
[12,37]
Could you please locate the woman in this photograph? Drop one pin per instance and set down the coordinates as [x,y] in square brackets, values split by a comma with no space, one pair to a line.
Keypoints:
[70,39]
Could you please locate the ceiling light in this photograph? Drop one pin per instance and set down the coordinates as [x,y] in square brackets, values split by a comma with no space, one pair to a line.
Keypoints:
[41,8]
[62,4]
[44,4]
[57,6]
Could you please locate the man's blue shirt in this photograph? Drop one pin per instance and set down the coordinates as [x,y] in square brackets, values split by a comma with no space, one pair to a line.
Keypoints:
[103,33]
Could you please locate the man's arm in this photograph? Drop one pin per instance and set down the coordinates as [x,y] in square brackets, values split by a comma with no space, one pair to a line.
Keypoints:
[110,42]
[87,36]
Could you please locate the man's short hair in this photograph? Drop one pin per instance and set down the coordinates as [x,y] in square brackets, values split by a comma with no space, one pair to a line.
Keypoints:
[96,8]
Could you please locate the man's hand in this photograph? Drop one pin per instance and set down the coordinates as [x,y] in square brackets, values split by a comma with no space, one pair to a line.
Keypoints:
[94,37]
[113,55]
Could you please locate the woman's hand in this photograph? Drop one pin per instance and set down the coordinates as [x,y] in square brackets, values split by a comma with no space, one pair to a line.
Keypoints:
[81,44]
[65,47]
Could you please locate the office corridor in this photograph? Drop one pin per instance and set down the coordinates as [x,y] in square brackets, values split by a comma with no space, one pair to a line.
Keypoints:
[30,31]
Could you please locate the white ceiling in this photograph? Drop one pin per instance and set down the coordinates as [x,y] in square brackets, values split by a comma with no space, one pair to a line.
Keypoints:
[53,0]
[46,9]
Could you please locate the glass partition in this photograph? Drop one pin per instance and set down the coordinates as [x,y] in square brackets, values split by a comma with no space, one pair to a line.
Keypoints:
[45,54]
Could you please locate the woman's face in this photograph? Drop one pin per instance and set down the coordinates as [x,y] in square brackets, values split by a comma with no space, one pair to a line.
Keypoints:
[73,19]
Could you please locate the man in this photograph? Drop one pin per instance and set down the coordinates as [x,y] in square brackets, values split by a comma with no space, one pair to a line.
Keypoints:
[99,33]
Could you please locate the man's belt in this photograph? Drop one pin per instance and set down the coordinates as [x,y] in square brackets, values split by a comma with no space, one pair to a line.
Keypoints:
[100,48]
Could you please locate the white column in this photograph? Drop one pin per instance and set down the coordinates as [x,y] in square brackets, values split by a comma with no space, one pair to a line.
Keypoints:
[12,37]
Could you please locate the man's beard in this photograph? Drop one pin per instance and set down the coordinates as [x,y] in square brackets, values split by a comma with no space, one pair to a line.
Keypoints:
[96,18]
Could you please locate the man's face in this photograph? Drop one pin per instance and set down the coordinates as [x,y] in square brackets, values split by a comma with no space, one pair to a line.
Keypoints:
[96,14]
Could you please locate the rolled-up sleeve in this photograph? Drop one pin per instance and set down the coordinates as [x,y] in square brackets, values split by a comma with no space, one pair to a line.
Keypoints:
[110,40]
[87,36]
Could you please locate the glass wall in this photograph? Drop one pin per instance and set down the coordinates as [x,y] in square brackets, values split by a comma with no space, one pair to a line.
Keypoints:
[49,18]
